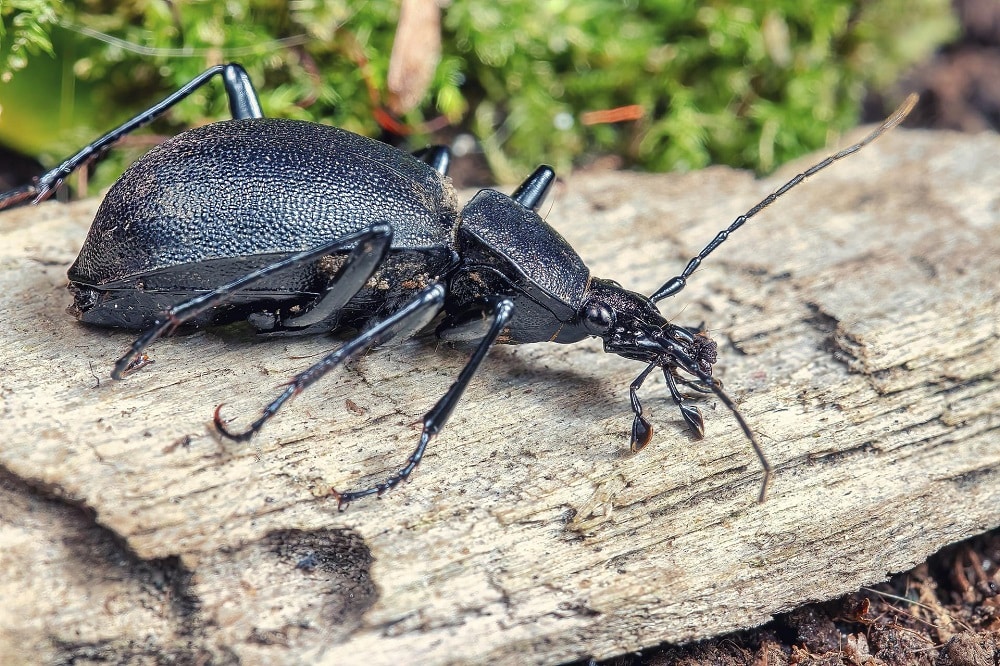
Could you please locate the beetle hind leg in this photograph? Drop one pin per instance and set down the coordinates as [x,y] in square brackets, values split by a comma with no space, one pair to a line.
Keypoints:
[497,312]
[322,314]
[243,103]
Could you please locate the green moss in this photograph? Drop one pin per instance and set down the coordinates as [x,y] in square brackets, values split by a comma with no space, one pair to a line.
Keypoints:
[24,32]
[745,84]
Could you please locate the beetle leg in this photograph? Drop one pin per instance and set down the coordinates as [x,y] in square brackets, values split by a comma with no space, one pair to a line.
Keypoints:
[696,385]
[243,103]
[470,324]
[683,361]
[500,311]
[18,196]
[322,315]
[692,415]
[532,192]
[642,429]
[408,320]
[437,157]
[191,308]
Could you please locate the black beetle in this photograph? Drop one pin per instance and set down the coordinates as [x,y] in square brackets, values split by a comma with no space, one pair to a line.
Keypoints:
[301,228]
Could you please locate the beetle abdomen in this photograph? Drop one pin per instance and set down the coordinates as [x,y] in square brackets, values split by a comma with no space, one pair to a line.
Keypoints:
[257,186]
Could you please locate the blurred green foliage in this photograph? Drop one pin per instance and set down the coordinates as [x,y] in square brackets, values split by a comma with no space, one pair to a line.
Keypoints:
[24,31]
[745,84]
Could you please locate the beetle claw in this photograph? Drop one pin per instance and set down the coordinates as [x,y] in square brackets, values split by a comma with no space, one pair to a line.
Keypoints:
[341,502]
[26,193]
[122,370]
[642,433]
[220,425]
[694,419]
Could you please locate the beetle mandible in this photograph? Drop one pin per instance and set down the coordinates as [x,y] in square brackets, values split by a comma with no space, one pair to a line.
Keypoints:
[299,228]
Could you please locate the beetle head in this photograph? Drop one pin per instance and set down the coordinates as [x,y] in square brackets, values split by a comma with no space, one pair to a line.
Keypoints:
[631,326]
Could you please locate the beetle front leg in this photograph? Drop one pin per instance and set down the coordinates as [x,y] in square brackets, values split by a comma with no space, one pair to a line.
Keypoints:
[243,103]
[497,313]
[642,429]
[692,415]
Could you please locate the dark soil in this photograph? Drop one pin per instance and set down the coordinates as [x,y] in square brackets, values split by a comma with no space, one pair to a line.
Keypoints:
[944,612]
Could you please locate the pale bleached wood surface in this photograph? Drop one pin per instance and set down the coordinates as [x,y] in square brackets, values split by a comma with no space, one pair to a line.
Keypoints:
[857,322]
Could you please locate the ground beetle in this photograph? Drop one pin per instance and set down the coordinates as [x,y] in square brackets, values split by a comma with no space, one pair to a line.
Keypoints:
[300,228]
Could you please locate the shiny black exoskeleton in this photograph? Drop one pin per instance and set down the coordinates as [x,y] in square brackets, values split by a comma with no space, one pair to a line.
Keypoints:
[300,228]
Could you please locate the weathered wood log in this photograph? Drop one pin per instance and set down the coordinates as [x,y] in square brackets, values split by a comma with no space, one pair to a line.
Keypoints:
[858,328]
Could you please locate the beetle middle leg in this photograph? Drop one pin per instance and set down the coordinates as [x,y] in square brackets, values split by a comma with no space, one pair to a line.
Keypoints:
[496,312]
[406,321]
[411,318]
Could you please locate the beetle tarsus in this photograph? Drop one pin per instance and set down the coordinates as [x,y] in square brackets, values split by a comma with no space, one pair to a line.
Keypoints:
[642,433]
[405,322]
[20,196]
[693,417]
[135,358]
[135,362]
[244,435]
[642,429]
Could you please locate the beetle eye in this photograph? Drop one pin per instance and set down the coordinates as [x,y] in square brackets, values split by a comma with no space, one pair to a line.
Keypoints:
[598,318]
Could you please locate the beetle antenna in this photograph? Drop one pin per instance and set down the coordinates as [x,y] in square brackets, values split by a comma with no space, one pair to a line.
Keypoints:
[682,360]
[675,284]
[757,449]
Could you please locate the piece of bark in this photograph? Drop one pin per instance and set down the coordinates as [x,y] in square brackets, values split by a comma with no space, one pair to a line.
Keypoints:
[857,324]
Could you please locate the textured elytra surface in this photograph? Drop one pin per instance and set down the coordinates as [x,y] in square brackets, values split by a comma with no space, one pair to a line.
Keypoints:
[258,186]
[857,328]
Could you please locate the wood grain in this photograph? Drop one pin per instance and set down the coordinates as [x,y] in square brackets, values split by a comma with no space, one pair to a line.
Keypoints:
[857,323]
